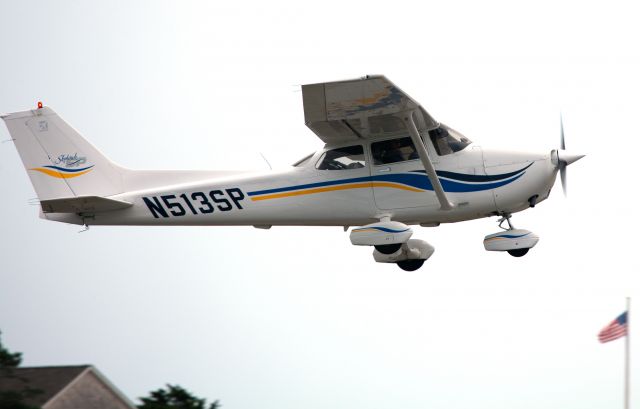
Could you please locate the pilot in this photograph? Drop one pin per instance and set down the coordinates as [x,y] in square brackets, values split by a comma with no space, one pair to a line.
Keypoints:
[394,153]
[440,139]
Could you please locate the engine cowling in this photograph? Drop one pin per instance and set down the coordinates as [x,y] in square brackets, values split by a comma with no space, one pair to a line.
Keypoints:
[380,234]
[510,240]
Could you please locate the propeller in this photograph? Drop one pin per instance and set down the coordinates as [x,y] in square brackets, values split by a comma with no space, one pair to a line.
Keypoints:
[564,159]
[563,166]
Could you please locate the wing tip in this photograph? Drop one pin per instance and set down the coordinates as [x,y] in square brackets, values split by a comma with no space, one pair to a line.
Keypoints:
[362,78]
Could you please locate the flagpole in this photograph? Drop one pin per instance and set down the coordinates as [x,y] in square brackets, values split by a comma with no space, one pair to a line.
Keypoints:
[626,356]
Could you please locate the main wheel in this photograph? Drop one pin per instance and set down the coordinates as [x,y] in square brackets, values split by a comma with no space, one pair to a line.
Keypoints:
[388,248]
[411,265]
[518,252]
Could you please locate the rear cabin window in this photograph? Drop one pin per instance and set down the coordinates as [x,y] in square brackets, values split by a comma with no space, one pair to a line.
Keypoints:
[393,150]
[304,161]
[349,157]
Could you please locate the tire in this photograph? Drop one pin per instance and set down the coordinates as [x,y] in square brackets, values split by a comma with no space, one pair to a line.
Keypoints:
[388,248]
[411,265]
[518,252]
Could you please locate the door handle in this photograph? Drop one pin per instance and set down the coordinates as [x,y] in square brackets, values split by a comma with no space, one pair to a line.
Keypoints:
[387,169]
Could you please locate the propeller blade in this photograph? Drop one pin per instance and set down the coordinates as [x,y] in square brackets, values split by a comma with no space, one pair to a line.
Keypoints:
[564,159]
[561,134]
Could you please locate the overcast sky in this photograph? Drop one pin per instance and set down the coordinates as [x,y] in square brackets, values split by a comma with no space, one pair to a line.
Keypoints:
[295,318]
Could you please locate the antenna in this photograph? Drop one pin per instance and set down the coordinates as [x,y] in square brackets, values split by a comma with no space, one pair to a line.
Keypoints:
[265,159]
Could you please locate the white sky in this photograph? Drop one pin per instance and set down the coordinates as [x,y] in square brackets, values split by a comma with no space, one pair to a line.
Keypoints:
[297,317]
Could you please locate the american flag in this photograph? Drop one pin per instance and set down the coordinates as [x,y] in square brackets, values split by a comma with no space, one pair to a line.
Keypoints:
[617,329]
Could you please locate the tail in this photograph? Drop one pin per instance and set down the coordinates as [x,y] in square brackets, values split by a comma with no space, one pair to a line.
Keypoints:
[60,162]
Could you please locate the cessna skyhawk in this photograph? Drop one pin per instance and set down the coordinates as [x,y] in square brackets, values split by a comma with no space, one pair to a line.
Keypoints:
[386,165]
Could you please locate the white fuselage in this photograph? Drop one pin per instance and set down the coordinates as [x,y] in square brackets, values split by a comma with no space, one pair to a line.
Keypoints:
[477,181]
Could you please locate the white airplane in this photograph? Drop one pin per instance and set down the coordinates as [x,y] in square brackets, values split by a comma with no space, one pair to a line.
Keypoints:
[386,165]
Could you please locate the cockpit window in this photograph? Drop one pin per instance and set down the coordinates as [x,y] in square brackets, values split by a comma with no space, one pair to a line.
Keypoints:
[447,140]
[303,161]
[349,157]
[393,150]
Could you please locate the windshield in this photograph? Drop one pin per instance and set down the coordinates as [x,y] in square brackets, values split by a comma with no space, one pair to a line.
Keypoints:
[447,140]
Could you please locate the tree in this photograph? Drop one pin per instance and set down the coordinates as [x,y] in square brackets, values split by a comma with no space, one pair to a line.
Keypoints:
[9,359]
[14,399]
[175,397]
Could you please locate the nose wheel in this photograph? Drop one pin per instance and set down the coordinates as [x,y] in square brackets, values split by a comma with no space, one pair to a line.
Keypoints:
[514,252]
[516,242]
[518,252]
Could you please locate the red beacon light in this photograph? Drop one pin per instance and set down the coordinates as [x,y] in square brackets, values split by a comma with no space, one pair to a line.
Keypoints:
[39,104]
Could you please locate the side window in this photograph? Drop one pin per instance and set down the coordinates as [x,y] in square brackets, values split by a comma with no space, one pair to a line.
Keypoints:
[393,150]
[349,157]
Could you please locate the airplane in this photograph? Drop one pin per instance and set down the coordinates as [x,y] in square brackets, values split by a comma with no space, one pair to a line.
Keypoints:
[386,165]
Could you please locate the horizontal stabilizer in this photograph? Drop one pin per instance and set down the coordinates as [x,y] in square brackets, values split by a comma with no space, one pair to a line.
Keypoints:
[82,204]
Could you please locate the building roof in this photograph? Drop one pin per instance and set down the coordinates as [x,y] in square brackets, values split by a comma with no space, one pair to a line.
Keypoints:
[48,381]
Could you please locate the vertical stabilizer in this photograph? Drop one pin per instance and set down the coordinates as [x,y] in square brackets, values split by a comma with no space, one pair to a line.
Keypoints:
[59,161]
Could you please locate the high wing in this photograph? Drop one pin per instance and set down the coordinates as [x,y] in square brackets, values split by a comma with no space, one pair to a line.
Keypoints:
[362,108]
[369,107]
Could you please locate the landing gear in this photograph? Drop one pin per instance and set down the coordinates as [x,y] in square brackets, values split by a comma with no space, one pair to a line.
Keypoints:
[411,265]
[506,217]
[516,242]
[392,243]
[388,248]
[409,256]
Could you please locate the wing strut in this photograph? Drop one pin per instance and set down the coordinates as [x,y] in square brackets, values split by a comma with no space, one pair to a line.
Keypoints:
[445,204]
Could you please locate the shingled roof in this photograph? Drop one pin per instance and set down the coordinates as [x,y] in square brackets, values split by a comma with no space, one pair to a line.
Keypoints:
[50,383]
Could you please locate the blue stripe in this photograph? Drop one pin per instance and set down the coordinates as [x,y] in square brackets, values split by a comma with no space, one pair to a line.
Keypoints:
[416,180]
[463,177]
[458,187]
[67,170]
[511,236]
[310,185]
[423,182]
[384,229]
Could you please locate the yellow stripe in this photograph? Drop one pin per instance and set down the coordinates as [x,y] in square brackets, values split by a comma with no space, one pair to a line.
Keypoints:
[334,188]
[60,175]
[396,186]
